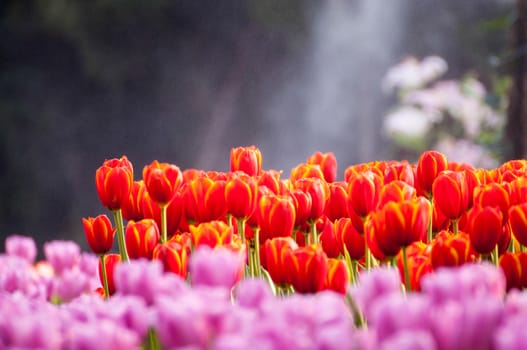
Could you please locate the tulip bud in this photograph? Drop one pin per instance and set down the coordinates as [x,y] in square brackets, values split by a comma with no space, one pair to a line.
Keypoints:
[99,233]
[110,261]
[429,165]
[246,159]
[276,216]
[141,237]
[241,195]
[162,181]
[113,181]
[350,238]
[273,255]
[173,255]
[338,276]
[450,192]
[327,163]
[307,267]
[211,233]
[484,227]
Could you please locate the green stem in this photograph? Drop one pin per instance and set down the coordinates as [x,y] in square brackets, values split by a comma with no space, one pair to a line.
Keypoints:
[368,257]
[163,223]
[347,258]
[357,316]
[153,341]
[496,255]
[104,277]
[406,271]
[313,232]
[118,218]
[429,234]
[240,224]
[257,263]
[455,226]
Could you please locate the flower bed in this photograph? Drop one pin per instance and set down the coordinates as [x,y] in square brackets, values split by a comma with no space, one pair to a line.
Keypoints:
[398,255]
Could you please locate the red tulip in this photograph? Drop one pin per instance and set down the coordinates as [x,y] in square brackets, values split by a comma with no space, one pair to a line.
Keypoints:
[318,191]
[308,268]
[110,261]
[329,241]
[378,238]
[484,226]
[304,170]
[406,221]
[303,203]
[450,193]
[429,165]
[241,195]
[162,181]
[338,276]
[518,191]
[246,159]
[271,180]
[211,233]
[327,163]
[450,249]
[132,209]
[518,222]
[399,172]
[276,216]
[141,237]
[514,267]
[493,195]
[99,233]
[395,191]
[113,181]
[273,254]
[363,193]
[173,256]
[336,205]
[418,264]
[204,200]
[348,237]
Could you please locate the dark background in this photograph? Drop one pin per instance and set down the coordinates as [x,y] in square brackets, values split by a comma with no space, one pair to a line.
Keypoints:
[185,81]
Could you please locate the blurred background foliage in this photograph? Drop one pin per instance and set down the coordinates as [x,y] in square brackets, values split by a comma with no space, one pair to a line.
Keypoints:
[184,81]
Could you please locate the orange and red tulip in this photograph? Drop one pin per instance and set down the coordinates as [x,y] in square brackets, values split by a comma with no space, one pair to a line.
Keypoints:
[493,195]
[338,276]
[141,237]
[308,268]
[173,256]
[241,195]
[204,200]
[113,181]
[132,208]
[518,222]
[429,165]
[276,216]
[212,233]
[246,159]
[484,227]
[273,254]
[348,237]
[162,180]
[363,193]
[99,233]
[110,261]
[337,203]
[451,194]
[450,249]
[327,163]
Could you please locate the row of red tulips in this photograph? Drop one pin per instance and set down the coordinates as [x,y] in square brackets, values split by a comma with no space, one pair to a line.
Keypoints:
[309,231]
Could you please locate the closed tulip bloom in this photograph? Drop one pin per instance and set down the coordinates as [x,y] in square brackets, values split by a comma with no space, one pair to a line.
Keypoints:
[273,255]
[111,261]
[277,216]
[307,267]
[304,170]
[329,241]
[493,195]
[241,195]
[99,233]
[484,226]
[378,238]
[514,267]
[336,205]
[407,221]
[338,277]
[162,180]
[271,180]
[246,159]
[429,165]
[363,193]
[318,191]
[303,203]
[518,190]
[395,191]
[173,255]
[518,222]
[141,237]
[132,209]
[450,193]
[399,172]
[113,181]
[327,163]
[450,249]
[348,237]
[211,233]
[204,200]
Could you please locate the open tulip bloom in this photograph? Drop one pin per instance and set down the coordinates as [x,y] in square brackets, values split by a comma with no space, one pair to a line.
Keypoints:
[396,255]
